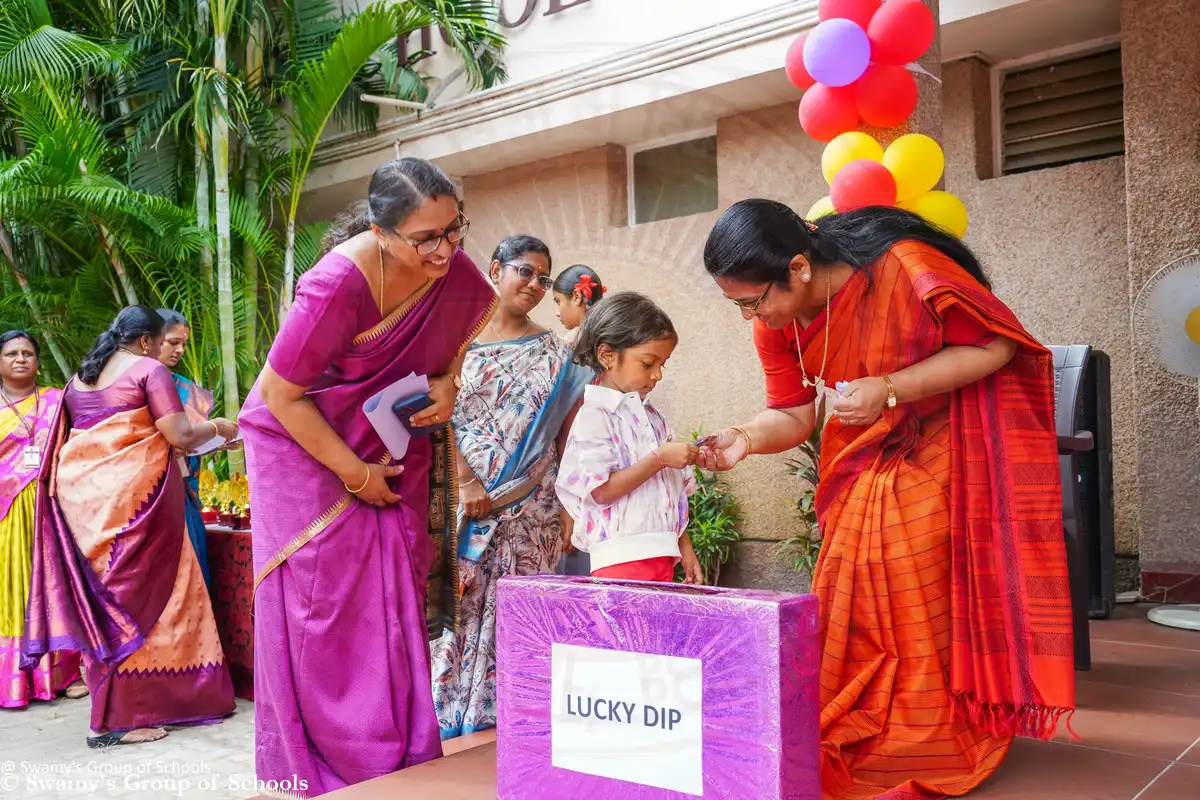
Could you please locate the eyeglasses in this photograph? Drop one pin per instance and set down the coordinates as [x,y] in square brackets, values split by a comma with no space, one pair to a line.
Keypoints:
[526,273]
[753,307]
[454,234]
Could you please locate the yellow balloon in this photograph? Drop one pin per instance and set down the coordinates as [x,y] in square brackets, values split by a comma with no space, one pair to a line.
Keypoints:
[942,209]
[1192,325]
[848,147]
[821,208]
[916,162]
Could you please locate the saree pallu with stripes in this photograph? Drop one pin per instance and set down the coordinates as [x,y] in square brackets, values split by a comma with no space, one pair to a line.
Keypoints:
[945,605]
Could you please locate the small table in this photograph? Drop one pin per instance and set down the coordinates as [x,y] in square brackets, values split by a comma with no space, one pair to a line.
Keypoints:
[231,569]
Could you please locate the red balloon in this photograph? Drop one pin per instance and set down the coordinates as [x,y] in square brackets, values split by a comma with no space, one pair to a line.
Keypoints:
[886,95]
[862,183]
[859,11]
[793,64]
[901,31]
[828,111]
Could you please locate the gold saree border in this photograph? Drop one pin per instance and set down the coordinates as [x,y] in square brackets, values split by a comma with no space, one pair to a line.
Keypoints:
[483,323]
[340,506]
[304,537]
[393,319]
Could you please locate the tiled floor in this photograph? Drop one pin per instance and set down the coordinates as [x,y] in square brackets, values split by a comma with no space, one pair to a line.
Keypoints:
[1138,720]
[44,756]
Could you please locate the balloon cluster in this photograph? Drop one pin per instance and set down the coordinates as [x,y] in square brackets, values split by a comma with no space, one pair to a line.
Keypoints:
[852,66]
[861,173]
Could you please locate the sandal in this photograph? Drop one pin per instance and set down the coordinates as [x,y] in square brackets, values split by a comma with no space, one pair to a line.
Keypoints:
[114,738]
[77,690]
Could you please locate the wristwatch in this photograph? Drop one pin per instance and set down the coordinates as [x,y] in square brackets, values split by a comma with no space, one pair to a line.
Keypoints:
[891,399]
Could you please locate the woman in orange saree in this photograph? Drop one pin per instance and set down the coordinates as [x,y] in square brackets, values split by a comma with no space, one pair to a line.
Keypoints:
[945,610]
[113,574]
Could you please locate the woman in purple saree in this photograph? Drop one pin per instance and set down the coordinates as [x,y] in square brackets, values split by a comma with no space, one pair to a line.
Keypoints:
[113,575]
[352,550]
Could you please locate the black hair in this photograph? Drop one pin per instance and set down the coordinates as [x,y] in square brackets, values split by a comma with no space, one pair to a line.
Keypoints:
[13,335]
[515,246]
[755,240]
[131,324]
[565,283]
[397,189]
[621,321]
[172,318]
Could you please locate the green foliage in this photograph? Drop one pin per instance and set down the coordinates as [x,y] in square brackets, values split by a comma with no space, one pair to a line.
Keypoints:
[802,549]
[713,523]
[107,107]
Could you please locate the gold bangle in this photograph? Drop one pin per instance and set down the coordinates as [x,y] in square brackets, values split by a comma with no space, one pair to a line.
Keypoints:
[359,489]
[216,430]
[746,436]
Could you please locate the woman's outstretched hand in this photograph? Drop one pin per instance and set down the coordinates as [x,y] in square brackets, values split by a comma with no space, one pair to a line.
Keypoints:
[723,451]
[376,490]
[443,393]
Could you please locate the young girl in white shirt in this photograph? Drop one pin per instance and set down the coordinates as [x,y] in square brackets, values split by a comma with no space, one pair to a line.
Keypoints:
[622,478]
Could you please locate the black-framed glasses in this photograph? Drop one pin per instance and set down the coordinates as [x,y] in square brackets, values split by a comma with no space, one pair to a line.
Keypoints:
[753,307]
[453,234]
[526,274]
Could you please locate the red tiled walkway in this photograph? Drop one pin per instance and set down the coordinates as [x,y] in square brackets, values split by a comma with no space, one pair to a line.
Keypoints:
[1138,718]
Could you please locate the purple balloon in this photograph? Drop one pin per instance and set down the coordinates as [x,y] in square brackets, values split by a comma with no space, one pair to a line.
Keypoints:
[837,52]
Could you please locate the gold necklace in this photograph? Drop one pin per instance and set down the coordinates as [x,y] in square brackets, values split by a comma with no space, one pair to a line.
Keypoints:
[528,323]
[381,278]
[819,381]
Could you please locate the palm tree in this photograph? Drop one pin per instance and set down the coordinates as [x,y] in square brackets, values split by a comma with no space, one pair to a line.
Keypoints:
[119,120]
[320,86]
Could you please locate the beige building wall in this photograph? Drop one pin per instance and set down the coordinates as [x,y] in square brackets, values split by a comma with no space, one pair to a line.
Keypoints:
[1161,66]
[1053,241]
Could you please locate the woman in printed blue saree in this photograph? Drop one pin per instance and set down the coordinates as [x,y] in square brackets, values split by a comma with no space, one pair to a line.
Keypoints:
[519,396]
[197,404]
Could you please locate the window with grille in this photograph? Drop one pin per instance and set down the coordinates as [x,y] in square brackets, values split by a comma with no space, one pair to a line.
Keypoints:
[1059,113]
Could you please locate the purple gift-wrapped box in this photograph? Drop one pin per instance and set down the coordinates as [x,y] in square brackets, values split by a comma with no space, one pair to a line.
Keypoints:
[621,690]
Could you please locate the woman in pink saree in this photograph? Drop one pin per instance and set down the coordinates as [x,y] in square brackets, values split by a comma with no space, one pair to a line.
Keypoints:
[26,411]
[352,551]
[113,574]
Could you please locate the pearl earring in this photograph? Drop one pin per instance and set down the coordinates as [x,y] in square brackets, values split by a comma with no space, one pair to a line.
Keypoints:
[806,276]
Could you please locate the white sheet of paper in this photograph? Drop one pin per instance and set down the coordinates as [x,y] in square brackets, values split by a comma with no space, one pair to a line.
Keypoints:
[378,410]
[211,446]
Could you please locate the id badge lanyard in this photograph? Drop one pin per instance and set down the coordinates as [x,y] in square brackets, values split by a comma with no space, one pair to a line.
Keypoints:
[31,456]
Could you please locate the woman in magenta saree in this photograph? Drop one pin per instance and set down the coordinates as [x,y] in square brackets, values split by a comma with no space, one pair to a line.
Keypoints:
[352,580]
[113,574]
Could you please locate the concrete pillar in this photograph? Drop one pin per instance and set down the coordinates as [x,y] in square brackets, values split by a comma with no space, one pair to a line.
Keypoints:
[1161,66]
[927,119]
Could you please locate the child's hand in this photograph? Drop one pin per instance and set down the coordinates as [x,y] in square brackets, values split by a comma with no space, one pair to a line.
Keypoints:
[693,573]
[678,455]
